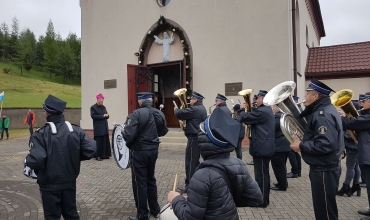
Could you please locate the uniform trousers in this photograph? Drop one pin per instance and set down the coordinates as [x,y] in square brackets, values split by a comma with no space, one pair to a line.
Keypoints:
[192,155]
[238,150]
[324,186]
[366,169]
[262,176]
[144,183]
[278,163]
[295,162]
[60,202]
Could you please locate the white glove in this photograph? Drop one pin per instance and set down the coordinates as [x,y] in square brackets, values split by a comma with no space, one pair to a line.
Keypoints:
[28,172]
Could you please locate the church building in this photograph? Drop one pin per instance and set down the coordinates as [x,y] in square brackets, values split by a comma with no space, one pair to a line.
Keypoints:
[207,46]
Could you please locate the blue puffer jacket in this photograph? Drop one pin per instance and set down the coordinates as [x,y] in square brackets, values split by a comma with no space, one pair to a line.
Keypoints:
[208,194]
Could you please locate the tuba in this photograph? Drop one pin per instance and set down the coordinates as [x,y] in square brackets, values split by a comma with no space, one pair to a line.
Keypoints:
[181,94]
[342,99]
[246,93]
[290,122]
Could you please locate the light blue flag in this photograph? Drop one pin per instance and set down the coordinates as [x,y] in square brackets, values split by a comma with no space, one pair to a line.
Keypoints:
[2,96]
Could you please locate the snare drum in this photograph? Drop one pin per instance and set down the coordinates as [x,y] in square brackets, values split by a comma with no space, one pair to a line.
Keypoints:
[167,213]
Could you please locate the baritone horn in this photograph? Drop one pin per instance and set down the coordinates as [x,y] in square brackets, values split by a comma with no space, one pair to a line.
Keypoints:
[290,122]
[181,94]
[246,93]
[342,99]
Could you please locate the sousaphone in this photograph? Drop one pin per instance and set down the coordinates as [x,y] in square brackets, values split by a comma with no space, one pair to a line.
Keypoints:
[120,151]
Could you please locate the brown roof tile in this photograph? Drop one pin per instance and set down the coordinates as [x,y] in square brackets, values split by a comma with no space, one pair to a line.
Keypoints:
[338,60]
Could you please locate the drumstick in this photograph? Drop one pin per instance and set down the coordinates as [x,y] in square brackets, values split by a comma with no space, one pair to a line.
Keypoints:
[174,183]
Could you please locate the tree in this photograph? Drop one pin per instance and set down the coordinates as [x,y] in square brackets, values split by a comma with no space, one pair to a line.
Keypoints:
[26,50]
[4,43]
[12,50]
[65,64]
[50,48]
[39,52]
[75,44]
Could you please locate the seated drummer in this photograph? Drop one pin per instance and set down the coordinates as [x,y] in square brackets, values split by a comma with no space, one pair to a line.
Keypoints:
[221,182]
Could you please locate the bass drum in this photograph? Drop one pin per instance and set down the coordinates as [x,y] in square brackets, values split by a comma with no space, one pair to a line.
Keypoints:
[167,213]
[120,150]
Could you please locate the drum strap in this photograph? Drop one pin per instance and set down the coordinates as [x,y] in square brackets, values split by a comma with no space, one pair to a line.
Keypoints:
[54,128]
[225,177]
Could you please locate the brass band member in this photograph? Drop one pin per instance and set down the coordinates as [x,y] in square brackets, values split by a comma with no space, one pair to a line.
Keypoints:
[282,149]
[294,157]
[238,148]
[321,148]
[262,142]
[194,115]
[361,125]
[221,103]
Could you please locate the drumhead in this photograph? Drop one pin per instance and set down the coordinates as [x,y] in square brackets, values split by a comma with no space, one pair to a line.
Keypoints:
[120,150]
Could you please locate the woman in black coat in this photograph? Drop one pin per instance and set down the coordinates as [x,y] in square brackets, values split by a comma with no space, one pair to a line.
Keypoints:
[100,117]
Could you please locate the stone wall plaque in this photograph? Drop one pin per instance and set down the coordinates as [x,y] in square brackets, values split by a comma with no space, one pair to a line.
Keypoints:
[232,89]
[110,84]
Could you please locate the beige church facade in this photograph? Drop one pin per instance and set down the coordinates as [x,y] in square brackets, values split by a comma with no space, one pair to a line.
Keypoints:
[218,46]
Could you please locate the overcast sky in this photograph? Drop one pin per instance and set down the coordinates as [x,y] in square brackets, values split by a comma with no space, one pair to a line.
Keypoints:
[345,21]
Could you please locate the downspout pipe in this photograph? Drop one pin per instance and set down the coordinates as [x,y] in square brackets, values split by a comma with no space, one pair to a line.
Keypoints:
[294,47]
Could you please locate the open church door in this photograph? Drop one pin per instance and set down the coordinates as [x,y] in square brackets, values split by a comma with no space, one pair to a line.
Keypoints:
[139,79]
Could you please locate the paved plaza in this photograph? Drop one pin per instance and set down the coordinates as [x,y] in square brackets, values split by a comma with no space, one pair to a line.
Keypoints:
[104,191]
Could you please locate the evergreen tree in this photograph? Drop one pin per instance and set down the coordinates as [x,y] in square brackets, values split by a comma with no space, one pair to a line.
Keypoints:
[50,49]
[26,51]
[4,47]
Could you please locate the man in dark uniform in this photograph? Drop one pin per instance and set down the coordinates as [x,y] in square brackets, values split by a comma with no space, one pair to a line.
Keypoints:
[56,150]
[321,148]
[238,148]
[294,157]
[194,115]
[262,142]
[361,104]
[254,106]
[221,103]
[141,137]
[282,149]
[361,125]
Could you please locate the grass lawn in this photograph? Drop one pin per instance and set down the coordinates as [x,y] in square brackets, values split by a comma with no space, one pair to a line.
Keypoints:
[15,133]
[31,89]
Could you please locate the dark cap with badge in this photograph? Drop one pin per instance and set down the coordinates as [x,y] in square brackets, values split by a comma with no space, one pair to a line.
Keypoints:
[54,106]
[197,96]
[221,97]
[361,97]
[255,97]
[221,129]
[236,107]
[144,95]
[319,86]
[262,93]
[356,104]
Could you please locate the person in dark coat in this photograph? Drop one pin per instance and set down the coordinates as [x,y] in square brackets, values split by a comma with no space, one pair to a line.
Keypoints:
[141,136]
[193,115]
[100,117]
[221,183]
[238,148]
[56,152]
[294,157]
[262,145]
[321,148]
[279,159]
[220,102]
[361,125]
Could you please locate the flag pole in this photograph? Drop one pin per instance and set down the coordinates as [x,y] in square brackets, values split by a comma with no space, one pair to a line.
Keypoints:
[1,109]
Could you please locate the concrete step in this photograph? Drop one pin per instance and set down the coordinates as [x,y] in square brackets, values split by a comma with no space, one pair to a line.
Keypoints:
[166,139]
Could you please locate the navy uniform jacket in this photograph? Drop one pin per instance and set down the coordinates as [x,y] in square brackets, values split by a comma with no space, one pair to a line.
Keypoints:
[361,125]
[193,116]
[140,131]
[224,108]
[323,141]
[263,130]
[281,143]
[56,157]
[99,122]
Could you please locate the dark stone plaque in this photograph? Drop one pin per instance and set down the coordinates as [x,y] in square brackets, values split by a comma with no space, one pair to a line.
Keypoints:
[110,84]
[232,89]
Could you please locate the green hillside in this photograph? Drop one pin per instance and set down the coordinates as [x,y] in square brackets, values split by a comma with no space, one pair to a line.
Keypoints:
[31,89]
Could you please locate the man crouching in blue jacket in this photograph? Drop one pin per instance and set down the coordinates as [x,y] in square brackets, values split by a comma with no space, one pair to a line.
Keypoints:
[221,183]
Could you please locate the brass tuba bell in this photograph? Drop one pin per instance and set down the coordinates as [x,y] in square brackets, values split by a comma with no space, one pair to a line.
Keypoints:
[342,99]
[246,93]
[181,94]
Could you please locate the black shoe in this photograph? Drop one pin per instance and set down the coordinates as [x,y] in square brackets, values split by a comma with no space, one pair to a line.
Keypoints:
[251,163]
[98,159]
[363,185]
[365,218]
[364,212]
[183,189]
[356,188]
[277,188]
[299,174]
[156,217]
[346,189]
[132,218]
[291,175]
